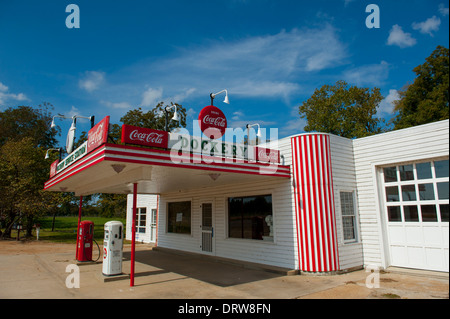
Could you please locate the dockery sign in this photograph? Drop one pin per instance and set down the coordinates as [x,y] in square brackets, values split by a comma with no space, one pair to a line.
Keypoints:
[214,147]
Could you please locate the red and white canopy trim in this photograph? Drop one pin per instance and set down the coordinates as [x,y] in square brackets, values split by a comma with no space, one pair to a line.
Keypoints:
[112,164]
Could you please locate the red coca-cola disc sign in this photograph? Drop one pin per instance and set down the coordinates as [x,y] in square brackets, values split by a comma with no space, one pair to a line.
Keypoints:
[212,121]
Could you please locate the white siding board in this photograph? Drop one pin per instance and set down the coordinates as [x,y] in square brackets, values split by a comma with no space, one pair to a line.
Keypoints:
[281,252]
[421,142]
[148,201]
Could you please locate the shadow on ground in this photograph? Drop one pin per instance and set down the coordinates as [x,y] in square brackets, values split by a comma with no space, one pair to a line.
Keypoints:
[201,268]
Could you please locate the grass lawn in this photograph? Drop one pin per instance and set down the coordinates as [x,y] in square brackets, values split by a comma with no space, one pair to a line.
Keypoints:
[65,230]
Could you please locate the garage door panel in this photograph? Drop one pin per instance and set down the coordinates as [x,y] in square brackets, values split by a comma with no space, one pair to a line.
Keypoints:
[434,258]
[399,255]
[397,235]
[432,236]
[445,237]
[414,235]
[416,256]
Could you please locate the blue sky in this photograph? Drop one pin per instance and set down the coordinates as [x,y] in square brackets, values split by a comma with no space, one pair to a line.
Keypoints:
[269,55]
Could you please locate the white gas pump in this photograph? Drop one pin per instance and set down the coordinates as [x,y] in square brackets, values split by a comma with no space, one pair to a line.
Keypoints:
[113,248]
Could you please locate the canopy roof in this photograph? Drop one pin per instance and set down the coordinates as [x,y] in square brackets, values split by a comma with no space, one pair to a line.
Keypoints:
[114,168]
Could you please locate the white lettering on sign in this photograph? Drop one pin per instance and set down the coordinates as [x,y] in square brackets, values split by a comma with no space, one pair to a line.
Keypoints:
[267,157]
[216,121]
[97,136]
[147,137]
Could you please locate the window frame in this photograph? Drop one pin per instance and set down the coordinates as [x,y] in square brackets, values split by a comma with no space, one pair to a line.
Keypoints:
[354,216]
[168,204]
[245,195]
[139,219]
[421,186]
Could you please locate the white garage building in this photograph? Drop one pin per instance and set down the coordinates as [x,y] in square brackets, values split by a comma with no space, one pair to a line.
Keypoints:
[311,202]
[381,201]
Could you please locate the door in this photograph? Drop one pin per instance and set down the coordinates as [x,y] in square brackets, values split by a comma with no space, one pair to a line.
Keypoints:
[207,244]
[153,226]
[416,205]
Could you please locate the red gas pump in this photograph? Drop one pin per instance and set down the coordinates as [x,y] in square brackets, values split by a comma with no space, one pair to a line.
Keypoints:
[84,241]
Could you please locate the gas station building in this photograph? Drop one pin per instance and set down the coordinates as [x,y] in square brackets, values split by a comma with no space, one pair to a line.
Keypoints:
[312,202]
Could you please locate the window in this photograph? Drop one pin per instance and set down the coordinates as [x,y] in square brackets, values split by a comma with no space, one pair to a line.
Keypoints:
[179,217]
[250,217]
[419,194]
[348,216]
[141,220]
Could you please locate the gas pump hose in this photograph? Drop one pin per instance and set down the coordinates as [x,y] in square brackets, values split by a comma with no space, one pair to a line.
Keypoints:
[99,251]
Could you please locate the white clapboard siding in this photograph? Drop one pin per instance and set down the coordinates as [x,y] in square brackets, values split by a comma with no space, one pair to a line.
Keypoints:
[344,179]
[148,201]
[429,141]
[281,252]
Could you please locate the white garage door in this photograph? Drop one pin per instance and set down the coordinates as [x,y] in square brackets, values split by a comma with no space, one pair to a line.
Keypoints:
[416,206]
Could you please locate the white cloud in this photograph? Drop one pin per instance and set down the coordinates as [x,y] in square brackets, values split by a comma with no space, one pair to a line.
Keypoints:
[117,105]
[266,66]
[387,104]
[443,10]
[372,74]
[3,88]
[398,37]
[6,96]
[151,97]
[428,26]
[91,80]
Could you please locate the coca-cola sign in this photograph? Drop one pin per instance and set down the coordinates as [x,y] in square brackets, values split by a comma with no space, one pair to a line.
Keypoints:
[267,155]
[212,121]
[53,168]
[98,135]
[144,136]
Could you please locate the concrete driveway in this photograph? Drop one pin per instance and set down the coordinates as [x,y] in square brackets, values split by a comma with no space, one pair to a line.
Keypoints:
[38,270]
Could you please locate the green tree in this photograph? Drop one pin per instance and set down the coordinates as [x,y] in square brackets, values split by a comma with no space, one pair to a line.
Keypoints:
[425,100]
[155,118]
[343,110]
[25,134]
[25,121]
[23,172]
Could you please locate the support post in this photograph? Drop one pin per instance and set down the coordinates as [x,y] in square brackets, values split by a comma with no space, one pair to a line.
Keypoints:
[133,234]
[78,227]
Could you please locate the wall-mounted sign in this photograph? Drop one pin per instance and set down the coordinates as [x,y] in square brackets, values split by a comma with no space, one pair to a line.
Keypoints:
[212,122]
[72,157]
[198,145]
[98,135]
[267,155]
[53,168]
[144,136]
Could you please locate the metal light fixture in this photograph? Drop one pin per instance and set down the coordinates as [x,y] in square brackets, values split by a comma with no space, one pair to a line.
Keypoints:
[175,115]
[71,134]
[213,95]
[53,149]
[258,133]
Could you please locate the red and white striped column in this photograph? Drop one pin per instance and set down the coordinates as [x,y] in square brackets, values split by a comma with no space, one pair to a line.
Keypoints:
[314,203]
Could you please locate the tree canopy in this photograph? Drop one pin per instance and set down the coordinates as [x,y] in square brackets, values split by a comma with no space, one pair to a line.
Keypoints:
[343,110]
[425,100]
